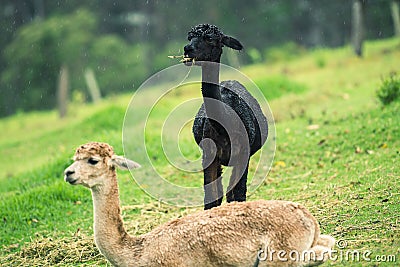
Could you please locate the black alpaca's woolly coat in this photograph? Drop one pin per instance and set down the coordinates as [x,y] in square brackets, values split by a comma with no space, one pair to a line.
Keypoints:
[235,95]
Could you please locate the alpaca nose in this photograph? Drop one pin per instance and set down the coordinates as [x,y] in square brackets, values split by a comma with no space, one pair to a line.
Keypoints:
[188,48]
[68,173]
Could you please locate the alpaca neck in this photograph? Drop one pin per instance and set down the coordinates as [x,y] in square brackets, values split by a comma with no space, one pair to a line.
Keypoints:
[211,90]
[110,235]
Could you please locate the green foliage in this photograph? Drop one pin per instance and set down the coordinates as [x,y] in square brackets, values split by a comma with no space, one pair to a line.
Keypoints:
[277,86]
[161,59]
[36,54]
[254,54]
[119,66]
[40,36]
[389,90]
[39,49]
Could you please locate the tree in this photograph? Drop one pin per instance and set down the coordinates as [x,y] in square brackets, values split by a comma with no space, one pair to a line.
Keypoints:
[358,25]
[37,53]
[62,92]
[394,6]
[69,42]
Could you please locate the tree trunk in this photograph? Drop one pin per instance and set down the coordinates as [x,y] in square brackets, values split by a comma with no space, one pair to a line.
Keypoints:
[92,85]
[358,26]
[394,6]
[62,91]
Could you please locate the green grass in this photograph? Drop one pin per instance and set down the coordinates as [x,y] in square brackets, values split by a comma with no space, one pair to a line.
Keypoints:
[275,87]
[337,153]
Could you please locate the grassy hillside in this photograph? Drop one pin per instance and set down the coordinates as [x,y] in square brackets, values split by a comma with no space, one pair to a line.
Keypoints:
[337,153]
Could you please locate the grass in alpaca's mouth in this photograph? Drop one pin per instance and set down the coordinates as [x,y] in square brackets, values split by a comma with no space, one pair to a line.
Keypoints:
[185,59]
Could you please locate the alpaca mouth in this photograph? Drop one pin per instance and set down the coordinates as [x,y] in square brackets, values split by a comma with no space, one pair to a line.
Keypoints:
[71,181]
[188,61]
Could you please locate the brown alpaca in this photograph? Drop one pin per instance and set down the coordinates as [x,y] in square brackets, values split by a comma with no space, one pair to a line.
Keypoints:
[235,234]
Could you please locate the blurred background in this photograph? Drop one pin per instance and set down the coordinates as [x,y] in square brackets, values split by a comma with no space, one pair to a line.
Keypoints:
[98,48]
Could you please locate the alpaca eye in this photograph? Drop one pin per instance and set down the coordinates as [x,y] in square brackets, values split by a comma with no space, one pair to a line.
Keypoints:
[93,161]
[209,39]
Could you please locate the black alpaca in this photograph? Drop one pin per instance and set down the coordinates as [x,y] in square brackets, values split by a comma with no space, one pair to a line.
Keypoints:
[230,126]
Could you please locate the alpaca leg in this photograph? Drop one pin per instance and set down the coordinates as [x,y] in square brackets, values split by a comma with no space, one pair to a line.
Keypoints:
[213,191]
[238,184]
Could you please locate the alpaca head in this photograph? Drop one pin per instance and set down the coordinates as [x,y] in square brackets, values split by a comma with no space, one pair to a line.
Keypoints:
[206,42]
[94,164]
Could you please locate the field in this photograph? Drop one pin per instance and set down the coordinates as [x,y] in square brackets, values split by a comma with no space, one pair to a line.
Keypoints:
[337,152]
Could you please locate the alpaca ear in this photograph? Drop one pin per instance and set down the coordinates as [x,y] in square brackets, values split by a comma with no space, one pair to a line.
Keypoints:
[122,163]
[232,42]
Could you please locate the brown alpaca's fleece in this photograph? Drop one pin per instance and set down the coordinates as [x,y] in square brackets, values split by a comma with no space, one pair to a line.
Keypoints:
[228,235]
